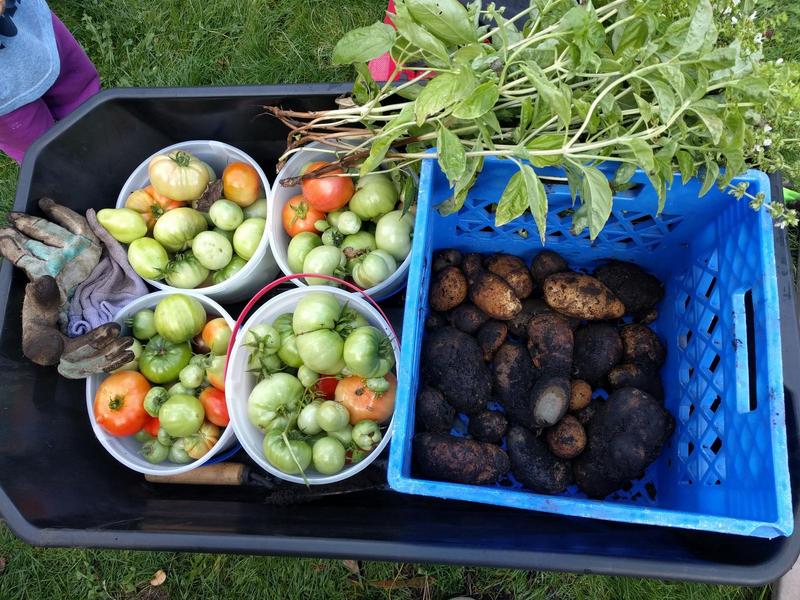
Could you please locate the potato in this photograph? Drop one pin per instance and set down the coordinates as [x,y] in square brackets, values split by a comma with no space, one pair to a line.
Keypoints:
[580,396]
[468,318]
[459,460]
[432,412]
[513,381]
[625,435]
[645,378]
[567,438]
[513,270]
[488,426]
[494,296]
[547,263]
[453,363]
[648,316]
[448,289]
[491,336]
[550,343]
[586,414]
[598,349]
[637,289]
[434,320]
[518,325]
[534,465]
[445,258]
[581,296]
[641,345]
[472,264]
[550,400]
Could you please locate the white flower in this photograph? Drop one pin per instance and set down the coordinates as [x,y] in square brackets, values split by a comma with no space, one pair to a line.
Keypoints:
[767,142]
[778,61]
[734,20]
[759,39]
[757,148]
[782,224]
[736,2]
[752,16]
[767,127]
[727,10]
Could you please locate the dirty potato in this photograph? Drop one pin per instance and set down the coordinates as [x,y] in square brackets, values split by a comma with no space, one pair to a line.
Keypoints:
[581,296]
[488,426]
[468,318]
[550,400]
[598,349]
[513,270]
[637,289]
[432,412]
[567,438]
[534,465]
[445,258]
[494,296]
[641,345]
[448,289]
[645,378]
[531,307]
[459,460]
[580,396]
[547,263]
[472,264]
[550,343]
[491,336]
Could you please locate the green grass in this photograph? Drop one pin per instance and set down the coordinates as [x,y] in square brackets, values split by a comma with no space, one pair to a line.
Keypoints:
[218,42]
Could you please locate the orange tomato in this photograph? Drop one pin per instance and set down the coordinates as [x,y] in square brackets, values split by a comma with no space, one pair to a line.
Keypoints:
[327,192]
[216,335]
[362,403]
[119,403]
[150,204]
[240,183]
[213,401]
[298,216]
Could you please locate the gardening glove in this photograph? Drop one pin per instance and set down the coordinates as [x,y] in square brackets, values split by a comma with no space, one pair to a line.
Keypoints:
[56,259]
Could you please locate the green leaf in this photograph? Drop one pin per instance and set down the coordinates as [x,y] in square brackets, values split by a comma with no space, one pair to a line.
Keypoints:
[623,174]
[596,196]
[546,141]
[721,58]
[420,37]
[642,152]
[700,85]
[514,200]
[664,97]
[632,35]
[574,178]
[442,91]
[645,108]
[446,19]
[709,177]
[364,87]
[480,101]
[525,118]
[674,77]
[702,33]
[686,165]
[364,44]
[452,156]
[707,111]
[377,153]
[463,185]
[537,199]
[490,120]
[553,96]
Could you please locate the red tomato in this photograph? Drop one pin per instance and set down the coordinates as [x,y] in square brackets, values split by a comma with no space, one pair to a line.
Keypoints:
[213,401]
[362,403]
[151,425]
[328,192]
[119,403]
[299,216]
[240,183]
[327,387]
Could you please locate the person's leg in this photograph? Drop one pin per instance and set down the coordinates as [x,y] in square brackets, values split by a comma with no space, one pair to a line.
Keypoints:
[21,127]
[78,80]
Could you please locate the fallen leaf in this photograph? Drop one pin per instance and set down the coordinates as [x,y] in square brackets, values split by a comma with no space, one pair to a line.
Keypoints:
[3,563]
[158,578]
[352,566]
[318,567]
[400,584]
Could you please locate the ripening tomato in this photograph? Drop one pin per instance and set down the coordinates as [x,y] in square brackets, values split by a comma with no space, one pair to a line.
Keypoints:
[327,387]
[217,335]
[213,401]
[119,403]
[364,403]
[299,215]
[328,192]
[151,425]
[240,183]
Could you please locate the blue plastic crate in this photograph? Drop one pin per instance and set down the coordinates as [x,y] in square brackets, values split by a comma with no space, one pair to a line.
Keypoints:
[725,468]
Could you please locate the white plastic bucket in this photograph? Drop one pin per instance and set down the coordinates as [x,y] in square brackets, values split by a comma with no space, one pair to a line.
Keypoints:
[126,449]
[280,195]
[261,268]
[239,382]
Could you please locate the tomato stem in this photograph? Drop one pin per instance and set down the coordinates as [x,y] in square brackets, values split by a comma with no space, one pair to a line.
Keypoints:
[116,403]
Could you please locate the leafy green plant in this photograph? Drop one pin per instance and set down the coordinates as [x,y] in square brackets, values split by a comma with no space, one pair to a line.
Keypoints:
[631,82]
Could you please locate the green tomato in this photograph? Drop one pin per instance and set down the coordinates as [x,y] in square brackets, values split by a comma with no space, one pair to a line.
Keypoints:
[181,415]
[156,396]
[212,176]
[349,223]
[178,389]
[154,452]
[257,210]
[332,416]
[185,271]
[229,270]
[163,437]
[124,224]
[307,377]
[375,196]
[288,350]
[191,376]
[321,351]
[349,320]
[226,215]
[148,258]
[177,453]
[144,324]
[321,225]
[178,227]
[228,235]
[248,236]
[263,341]
[333,218]
[368,352]
[179,317]
[143,436]
[373,269]
[279,395]
[212,250]
[162,361]
[332,237]
[328,456]
[344,435]
[315,310]
[307,419]
[133,365]
[393,234]
[299,247]
[359,242]
[367,434]
[325,260]
[291,458]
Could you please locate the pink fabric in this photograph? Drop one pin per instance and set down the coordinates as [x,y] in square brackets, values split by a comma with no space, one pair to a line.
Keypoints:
[77,82]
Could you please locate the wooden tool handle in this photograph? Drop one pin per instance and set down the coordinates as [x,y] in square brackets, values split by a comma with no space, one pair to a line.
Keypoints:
[219,474]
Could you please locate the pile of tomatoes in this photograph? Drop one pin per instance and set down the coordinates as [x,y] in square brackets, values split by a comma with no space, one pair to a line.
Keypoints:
[326,389]
[171,239]
[350,230]
[171,396]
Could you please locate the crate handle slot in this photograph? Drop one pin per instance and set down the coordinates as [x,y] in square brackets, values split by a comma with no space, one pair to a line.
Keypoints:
[744,331]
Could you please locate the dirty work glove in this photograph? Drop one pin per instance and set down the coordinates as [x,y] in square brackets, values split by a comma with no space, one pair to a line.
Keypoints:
[56,259]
